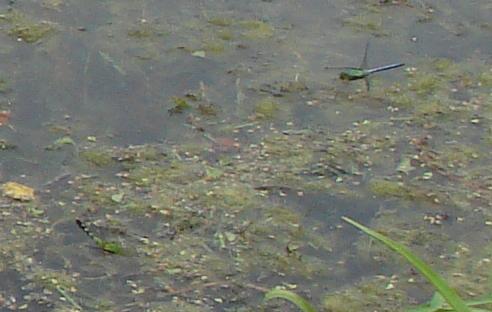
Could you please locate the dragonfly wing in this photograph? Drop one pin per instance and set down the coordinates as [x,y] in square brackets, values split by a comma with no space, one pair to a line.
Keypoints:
[364,59]
[336,67]
[368,84]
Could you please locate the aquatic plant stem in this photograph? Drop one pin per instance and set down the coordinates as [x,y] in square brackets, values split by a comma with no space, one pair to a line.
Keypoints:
[300,302]
[433,277]
[69,299]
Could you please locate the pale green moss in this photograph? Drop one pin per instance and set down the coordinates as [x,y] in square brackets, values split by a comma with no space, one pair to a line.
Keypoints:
[425,84]
[255,29]
[266,108]
[213,46]
[371,23]
[145,31]
[385,188]
[26,30]
[225,34]
[368,295]
[100,158]
[220,21]
[485,79]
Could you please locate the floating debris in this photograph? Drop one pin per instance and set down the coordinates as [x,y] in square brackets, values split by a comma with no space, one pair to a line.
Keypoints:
[18,191]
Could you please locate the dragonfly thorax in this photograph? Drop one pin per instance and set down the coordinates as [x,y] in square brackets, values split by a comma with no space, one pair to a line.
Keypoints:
[353,74]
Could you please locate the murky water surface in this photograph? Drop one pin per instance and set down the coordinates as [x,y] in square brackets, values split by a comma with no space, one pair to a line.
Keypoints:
[209,149]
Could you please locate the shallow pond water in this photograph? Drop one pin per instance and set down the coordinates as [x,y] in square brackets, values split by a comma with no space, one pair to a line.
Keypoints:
[210,150]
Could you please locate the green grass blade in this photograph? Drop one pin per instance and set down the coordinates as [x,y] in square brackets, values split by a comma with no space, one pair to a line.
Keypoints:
[439,283]
[480,301]
[300,302]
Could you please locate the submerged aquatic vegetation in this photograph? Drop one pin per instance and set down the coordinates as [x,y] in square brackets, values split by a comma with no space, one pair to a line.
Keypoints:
[433,277]
[225,34]
[255,29]
[366,23]
[26,30]
[300,302]
[485,78]
[214,46]
[99,158]
[425,84]
[180,105]
[445,294]
[220,21]
[391,189]
[266,108]
[145,30]
[4,85]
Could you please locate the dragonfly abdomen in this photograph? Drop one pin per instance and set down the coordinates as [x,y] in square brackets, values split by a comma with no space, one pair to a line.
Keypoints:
[386,67]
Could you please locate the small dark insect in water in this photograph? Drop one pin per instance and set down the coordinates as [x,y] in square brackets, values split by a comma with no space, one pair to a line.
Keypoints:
[108,246]
[84,228]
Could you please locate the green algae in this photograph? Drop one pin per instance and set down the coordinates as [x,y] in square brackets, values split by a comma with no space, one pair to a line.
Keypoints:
[485,79]
[293,86]
[205,200]
[176,172]
[52,279]
[180,201]
[225,34]
[385,188]
[425,84]
[431,111]
[208,109]
[99,158]
[371,23]
[22,28]
[136,206]
[54,4]
[214,46]
[431,108]
[399,99]
[212,173]
[234,197]
[266,108]
[458,156]
[256,30]
[367,295]
[446,67]
[31,32]
[180,305]
[221,21]
[97,193]
[282,215]
[249,29]
[180,105]
[289,152]
[145,30]
[203,205]
[4,85]
[269,256]
[131,157]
